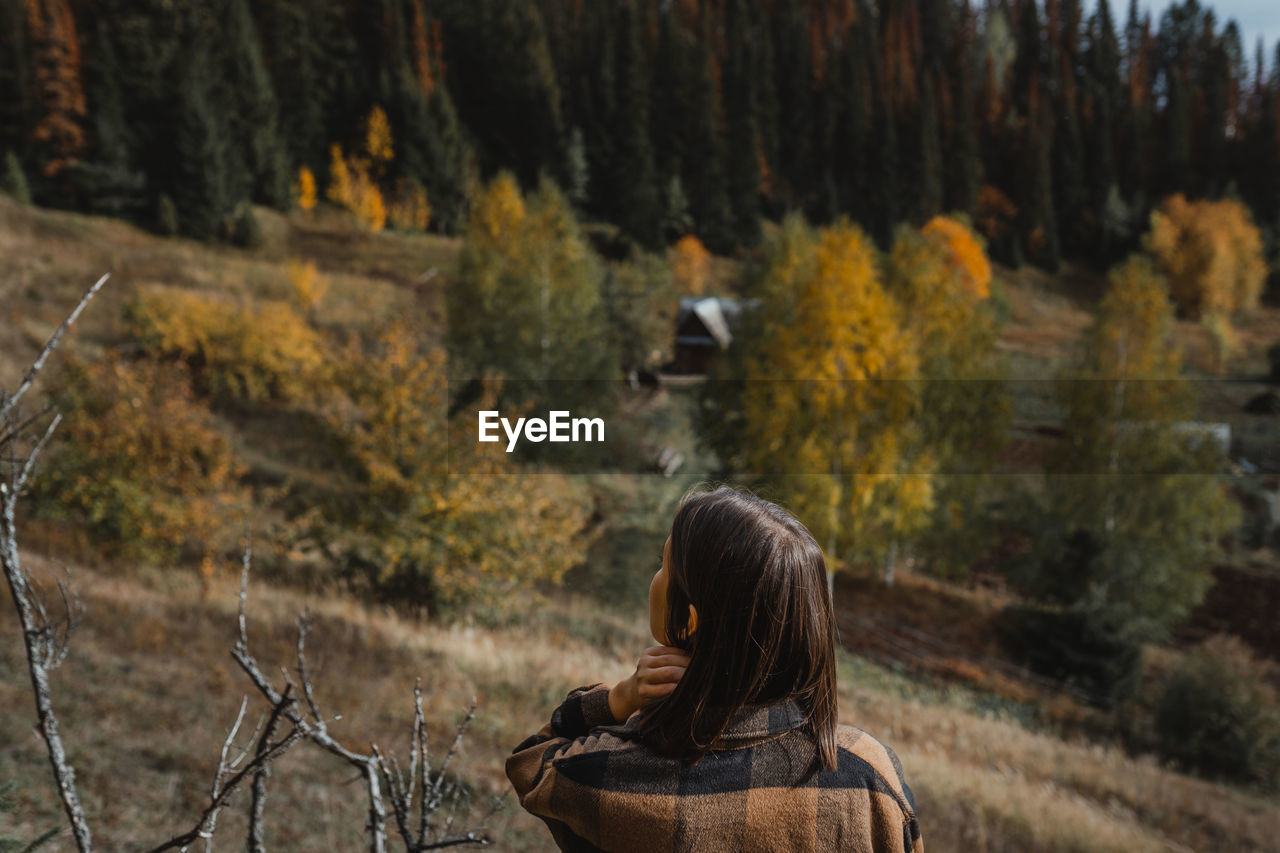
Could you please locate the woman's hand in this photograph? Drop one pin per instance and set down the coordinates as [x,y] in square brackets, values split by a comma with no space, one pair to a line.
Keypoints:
[657,672]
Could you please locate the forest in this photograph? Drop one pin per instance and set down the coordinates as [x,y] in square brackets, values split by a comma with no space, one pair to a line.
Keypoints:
[1056,133]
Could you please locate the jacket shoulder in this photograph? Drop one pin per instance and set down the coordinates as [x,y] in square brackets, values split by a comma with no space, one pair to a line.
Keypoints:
[864,762]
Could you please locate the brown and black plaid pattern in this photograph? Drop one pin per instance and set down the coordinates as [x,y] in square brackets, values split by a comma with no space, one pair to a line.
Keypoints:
[598,788]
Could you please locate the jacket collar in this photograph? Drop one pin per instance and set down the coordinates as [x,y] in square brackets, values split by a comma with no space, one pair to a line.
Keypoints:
[748,726]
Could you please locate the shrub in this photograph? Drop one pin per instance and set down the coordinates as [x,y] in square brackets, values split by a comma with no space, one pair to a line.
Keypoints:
[246,230]
[1218,715]
[1076,648]
[234,353]
[1273,358]
[13,182]
[141,462]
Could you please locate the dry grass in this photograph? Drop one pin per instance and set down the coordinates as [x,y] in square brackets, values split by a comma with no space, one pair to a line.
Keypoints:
[52,256]
[149,688]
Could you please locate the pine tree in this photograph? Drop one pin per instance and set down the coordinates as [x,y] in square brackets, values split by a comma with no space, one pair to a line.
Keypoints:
[204,190]
[15,77]
[794,66]
[293,55]
[742,124]
[704,147]
[258,162]
[928,194]
[962,158]
[638,205]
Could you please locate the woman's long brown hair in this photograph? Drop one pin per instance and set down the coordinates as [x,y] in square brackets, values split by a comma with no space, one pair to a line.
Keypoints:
[765,629]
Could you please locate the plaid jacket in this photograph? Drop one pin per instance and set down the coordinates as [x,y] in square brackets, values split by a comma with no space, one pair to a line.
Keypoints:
[598,788]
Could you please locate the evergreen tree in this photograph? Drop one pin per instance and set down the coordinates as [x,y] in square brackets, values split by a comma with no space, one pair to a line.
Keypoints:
[962,158]
[1102,94]
[204,191]
[109,181]
[794,66]
[504,85]
[703,167]
[638,204]
[742,123]
[293,43]
[928,191]
[258,164]
[15,77]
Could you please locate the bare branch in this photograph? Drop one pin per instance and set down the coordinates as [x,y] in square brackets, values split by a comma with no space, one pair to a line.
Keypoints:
[258,803]
[209,818]
[20,479]
[40,635]
[9,402]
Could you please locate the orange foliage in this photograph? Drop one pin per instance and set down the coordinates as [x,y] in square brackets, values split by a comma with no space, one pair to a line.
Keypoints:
[1211,253]
[305,189]
[428,52]
[996,212]
[58,84]
[965,252]
[691,265]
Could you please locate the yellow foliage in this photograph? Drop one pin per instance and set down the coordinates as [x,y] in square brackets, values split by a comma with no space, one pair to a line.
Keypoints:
[142,463]
[305,189]
[690,265]
[264,351]
[367,205]
[411,211]
[1211,254]
[352,187]
[444,524]
[965,252]
[309,286]
[377,138]
[816,400]
[498,211]
[340,190]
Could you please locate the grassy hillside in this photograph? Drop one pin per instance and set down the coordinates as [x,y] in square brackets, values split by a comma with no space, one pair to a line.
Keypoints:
[149,688]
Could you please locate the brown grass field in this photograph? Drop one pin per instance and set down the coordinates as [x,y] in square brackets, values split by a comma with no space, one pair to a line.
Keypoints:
[149,690]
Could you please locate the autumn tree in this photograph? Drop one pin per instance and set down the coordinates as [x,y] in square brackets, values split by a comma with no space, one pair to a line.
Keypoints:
[142,463]
[305,190]
[526,300]
[941,277]
[423,523]
[1211,254]
[807,398]
[59,131]
[690,265]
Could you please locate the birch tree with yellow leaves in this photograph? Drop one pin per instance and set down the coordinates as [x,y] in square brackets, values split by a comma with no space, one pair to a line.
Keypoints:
[811,401]
[941,277]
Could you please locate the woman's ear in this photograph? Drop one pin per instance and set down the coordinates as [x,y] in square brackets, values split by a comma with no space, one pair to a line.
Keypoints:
[693,619]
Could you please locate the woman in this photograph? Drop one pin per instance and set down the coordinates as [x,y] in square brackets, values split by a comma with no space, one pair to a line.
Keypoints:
[726,736]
